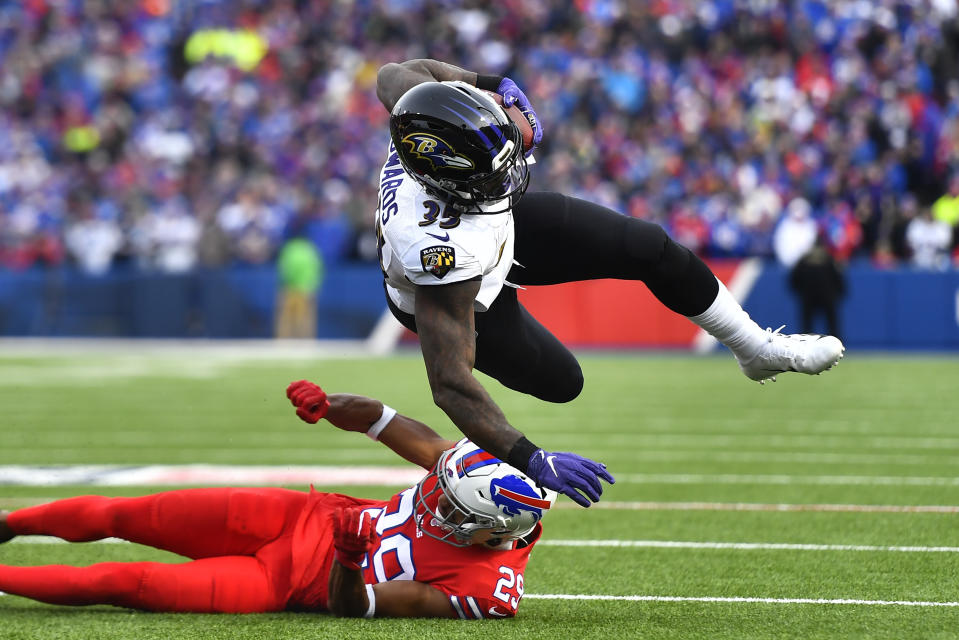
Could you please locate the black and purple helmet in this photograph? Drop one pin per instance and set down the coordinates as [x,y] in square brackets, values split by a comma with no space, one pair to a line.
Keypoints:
[456,141]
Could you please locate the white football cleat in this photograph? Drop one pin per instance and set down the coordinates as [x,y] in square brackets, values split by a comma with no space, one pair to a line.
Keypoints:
[808,353]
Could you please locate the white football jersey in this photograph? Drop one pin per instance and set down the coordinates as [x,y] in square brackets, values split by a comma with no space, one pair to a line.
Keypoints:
[420,244]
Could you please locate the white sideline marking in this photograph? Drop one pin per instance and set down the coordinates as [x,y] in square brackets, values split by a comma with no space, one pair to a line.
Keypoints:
[794,457]
[886,603]
[124,358]
[242,350]
[738,441]
[611,505]
[209,474]
[759,506]
[647,544]
[742,546]
[782,479]
[53,540]
[206,475]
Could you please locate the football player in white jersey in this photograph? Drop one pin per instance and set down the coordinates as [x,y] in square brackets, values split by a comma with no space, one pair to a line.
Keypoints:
[457,232]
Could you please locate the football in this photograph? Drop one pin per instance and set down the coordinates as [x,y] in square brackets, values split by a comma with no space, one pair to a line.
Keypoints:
[517,116]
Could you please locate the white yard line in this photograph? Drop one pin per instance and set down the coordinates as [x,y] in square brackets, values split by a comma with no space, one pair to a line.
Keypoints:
[113,359]
[784,479]
[172,348]
[209,474]
[736,442]
[734,600]
[611,505]
[742,546]
[759,506]
[839,601]
[52,540]
[640,544]
[70,444]
[792,457]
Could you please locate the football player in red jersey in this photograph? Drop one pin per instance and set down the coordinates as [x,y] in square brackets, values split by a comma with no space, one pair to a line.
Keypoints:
[457,234]
[453,546]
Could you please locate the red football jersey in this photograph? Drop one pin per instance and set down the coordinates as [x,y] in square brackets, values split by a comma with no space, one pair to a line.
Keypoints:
[480,582]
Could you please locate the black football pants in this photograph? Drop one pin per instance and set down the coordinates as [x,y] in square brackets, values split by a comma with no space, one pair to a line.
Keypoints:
[563,239]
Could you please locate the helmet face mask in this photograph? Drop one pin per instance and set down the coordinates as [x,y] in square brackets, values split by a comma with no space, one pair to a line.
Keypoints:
[470,491]
[460,146]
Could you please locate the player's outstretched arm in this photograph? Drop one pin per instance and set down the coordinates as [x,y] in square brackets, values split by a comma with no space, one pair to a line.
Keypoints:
[414,441]
[350,597]
[410,599]
[396,78]
[410,439]
[445,325]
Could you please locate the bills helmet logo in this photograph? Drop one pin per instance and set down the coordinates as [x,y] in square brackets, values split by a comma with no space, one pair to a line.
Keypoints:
[513,495]
[436,151]
[438,260]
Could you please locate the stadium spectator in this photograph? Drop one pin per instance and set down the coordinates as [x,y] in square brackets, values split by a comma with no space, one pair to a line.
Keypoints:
[171,237]
[251,222]
[818,281]
[300,272]
[93,236]
[929,241]
[946,209]
[842,228]
[439,549]
[903,215]
[796,233]
[28,237]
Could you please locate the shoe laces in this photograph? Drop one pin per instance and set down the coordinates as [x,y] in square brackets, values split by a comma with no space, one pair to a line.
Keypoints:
[773,334]
[782,348]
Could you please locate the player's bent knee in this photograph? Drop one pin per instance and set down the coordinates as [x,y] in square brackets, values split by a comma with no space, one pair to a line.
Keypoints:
[652,246]
[644,240]
[560,387]
[563,389]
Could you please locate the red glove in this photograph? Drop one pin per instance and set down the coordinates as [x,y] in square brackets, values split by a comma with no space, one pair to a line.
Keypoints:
[309,399]
[352,536]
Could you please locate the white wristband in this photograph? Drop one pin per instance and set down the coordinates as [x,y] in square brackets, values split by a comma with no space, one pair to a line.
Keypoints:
[371,596]
[379,425]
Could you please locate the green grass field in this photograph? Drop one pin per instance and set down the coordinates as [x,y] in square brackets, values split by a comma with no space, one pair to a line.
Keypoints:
[799,509]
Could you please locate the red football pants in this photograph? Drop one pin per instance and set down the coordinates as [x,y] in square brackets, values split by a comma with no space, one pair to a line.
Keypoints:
[239,540]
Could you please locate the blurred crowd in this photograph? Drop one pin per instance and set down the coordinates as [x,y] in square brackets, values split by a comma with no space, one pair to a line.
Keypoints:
[175,134]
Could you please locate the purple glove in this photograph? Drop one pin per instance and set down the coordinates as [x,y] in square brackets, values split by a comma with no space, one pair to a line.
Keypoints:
[513,94]
[569,474]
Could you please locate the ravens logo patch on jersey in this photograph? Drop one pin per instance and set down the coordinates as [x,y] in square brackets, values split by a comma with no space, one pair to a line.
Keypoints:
[438,260]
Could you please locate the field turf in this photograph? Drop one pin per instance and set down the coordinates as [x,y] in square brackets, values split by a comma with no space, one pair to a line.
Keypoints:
[815,507]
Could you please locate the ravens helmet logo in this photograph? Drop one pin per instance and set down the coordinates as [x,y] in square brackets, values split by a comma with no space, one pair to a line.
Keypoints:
[436,151]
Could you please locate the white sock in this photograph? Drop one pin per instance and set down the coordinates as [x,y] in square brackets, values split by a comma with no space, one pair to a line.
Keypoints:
[729,323]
